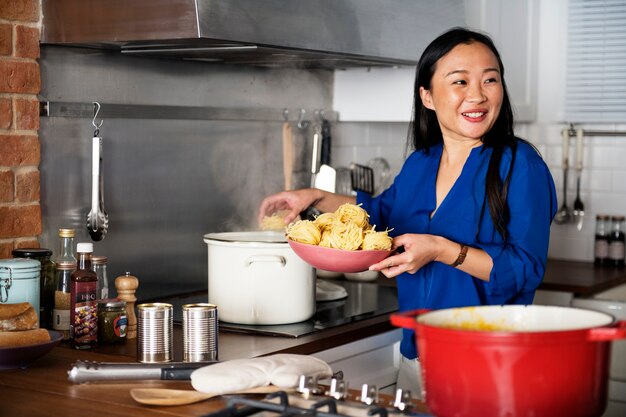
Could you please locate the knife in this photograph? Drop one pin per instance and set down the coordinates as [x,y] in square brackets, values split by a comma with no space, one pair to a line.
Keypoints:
[90,371]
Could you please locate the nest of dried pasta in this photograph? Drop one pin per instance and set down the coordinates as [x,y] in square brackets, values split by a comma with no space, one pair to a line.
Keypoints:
[347,228]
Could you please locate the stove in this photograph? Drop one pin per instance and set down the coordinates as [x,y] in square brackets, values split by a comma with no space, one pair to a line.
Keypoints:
[334,400]
[365,300]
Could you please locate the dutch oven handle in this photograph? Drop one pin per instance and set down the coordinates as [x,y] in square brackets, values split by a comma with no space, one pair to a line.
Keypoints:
[266,258]
[605,334]
[407,319]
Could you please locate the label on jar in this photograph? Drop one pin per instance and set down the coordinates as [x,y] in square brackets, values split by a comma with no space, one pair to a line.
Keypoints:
[119,326]
[601,248]
[616,251]
[60,319]
[84,314]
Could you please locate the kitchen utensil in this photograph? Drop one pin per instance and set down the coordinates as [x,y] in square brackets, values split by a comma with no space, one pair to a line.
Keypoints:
[288,155]
[256,278]
[382,174]
[328,291]
[362,178]
[563,215]
[487,357]
[22,356]
[166,396]
[322,176]
[343,182]
[97,219]
[338,260]
[88,371]
[579,207]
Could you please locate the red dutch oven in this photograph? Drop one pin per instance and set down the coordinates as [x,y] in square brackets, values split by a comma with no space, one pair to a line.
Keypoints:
[514,360]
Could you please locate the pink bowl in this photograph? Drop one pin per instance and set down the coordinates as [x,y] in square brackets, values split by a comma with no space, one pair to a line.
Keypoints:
[338,260]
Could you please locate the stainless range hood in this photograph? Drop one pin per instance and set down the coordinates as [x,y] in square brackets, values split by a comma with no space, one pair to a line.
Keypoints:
[300,33]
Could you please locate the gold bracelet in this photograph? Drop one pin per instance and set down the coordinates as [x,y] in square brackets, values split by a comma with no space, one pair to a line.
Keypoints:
[461,257]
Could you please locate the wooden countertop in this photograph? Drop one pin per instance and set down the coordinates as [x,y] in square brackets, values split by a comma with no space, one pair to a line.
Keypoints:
[581,278]
[44,390]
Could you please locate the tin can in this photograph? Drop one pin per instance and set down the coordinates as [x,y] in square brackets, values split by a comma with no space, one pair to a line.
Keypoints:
[200,327]
[19,281]
[154,326]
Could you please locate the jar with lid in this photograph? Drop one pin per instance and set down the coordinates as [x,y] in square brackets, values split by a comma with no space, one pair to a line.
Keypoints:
[19,281]
[46,281]
[112,320]
[617,241]
[99,266]
[601,243]
[62,298]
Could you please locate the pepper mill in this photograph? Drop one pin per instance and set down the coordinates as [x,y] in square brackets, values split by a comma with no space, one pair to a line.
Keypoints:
[126,286]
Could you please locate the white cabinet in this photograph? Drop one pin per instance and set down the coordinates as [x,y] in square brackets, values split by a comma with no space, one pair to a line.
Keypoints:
[513,25]
[373,360]
[386,94]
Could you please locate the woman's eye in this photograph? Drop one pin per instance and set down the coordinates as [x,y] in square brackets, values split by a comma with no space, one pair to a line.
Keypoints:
[491,81]
[459,82]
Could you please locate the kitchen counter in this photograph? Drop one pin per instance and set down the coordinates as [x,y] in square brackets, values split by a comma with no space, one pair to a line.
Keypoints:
[43,388]
[580,278]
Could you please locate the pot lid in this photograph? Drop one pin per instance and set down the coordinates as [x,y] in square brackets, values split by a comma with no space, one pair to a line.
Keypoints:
[247,237]
[16,267]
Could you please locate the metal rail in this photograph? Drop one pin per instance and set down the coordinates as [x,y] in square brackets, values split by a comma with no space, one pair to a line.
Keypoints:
[141,111]
[572,132]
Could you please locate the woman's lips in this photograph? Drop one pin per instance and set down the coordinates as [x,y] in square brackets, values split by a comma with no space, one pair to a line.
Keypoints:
[474,116]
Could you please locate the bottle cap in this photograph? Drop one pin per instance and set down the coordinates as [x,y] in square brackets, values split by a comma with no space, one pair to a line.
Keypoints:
[31,252]
[84,247]
[67,232]
[98,259]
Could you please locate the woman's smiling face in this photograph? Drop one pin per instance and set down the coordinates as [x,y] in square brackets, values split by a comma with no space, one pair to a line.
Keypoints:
[466,92]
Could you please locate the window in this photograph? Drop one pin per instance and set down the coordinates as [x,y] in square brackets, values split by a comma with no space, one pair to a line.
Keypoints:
[596,61]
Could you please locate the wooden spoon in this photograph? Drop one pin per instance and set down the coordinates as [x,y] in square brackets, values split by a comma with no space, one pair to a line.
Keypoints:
[166,396]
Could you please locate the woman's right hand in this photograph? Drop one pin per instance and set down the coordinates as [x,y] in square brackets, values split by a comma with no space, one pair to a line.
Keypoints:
[294,201]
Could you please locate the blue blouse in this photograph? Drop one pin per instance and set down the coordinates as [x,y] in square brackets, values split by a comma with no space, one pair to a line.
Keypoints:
[518,264]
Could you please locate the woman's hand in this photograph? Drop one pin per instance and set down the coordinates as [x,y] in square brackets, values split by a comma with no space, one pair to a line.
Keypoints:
[418,251]
[294,201]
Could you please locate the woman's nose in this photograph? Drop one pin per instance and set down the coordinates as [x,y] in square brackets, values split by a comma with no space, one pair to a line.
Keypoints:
[476,94]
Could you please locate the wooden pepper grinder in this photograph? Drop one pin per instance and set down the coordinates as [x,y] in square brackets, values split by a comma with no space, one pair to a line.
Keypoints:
[126,286]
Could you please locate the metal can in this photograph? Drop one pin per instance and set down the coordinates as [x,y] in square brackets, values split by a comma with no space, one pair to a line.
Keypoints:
[112,320]
[154,326]
[200,327]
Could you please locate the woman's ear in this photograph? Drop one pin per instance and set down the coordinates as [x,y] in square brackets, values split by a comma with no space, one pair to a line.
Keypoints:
[427,99]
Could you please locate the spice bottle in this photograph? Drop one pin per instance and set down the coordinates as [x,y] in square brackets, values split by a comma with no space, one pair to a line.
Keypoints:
[99,266]
[617,242]
[66,246]
[601,244]
[46,281]
[62,298]
[112,321]
[84,307]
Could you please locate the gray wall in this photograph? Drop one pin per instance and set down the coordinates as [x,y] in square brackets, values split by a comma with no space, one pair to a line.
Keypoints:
[166,182]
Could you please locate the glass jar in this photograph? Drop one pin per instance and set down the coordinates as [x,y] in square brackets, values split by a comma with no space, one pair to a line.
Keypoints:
[62,298]
[601,243]
[617,241]
[99,266]
[46,281]
[66,246]
[112,321]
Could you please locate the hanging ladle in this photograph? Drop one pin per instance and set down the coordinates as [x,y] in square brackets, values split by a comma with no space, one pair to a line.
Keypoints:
[97,219]
[563,215]
[579,207]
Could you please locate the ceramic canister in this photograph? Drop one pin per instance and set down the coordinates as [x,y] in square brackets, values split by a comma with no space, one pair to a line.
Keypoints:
[19,281]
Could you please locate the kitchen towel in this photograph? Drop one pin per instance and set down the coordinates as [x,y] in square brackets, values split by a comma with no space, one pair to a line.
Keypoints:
[282,370]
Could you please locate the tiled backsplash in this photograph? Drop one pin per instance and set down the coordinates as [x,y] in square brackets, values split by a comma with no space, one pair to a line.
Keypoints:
[603,181]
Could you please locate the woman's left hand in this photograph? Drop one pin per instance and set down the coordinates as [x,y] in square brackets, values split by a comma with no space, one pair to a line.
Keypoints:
[419,249]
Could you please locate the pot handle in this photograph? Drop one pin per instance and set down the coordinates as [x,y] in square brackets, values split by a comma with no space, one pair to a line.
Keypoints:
[266,258]
[407,319]
[605,334]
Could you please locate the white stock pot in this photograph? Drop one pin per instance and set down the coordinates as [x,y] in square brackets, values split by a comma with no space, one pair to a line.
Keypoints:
[256,278]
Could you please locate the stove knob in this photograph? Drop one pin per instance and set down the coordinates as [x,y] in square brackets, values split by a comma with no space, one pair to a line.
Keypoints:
[338,389]
[369,394]
[402,400]
[307,386]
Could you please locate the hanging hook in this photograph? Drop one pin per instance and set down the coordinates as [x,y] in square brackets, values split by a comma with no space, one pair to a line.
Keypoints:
[96,110]
[286,114]
[302,124]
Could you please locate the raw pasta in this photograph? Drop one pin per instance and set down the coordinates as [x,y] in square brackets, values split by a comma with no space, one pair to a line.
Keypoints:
[274,222]
[347,228]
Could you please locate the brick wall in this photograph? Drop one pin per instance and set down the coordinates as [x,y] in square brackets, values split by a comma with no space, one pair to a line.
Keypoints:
[20,211]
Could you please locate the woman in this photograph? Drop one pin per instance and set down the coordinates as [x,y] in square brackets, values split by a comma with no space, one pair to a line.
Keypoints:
[470,211]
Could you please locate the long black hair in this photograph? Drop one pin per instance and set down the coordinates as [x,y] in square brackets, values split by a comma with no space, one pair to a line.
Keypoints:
[425,131]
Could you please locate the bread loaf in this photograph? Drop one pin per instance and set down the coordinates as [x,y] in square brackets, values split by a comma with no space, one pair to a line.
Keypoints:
[23,338]
[20,316]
